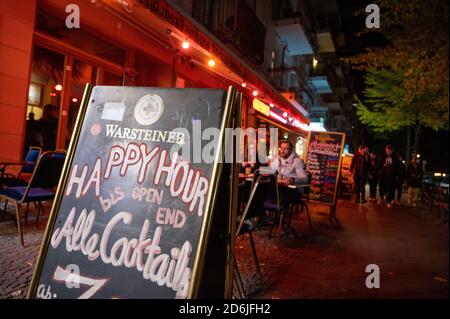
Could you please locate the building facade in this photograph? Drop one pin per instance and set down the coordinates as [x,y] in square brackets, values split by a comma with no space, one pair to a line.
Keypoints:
[270,50]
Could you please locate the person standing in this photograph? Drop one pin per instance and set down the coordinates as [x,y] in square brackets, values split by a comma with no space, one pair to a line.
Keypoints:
[414,175]
[400,179]
[33,136]
[359,169]
[48,126]
[389,174]
[373,176]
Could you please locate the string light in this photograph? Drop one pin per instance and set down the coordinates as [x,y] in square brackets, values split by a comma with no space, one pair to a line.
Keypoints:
[244,84]
[185,45]
[211,63]
[255,93]
[58,87]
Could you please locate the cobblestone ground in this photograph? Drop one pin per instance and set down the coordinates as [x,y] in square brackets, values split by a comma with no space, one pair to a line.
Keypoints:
[319,266]
[274,254]
[17,262]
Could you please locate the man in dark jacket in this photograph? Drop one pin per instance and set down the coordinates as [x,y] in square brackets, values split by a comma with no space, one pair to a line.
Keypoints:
[373,176]
[359,168]
[414,174]
[389,172]
[400,180]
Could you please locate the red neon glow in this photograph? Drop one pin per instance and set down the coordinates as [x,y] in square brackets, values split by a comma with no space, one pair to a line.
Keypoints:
[279,118]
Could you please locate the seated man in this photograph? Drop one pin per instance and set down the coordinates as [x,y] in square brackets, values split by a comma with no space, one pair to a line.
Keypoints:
[291,169]
[289,165]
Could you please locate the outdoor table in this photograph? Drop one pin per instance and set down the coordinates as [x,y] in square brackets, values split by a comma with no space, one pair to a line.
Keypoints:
[246,177]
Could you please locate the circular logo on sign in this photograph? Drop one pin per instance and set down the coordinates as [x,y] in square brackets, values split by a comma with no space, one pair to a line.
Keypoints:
[148,109]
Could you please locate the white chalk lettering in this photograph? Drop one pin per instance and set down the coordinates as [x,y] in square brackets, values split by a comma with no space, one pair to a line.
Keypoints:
[163,269]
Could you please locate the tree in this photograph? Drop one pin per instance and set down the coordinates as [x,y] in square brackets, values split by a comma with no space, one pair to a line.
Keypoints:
[387,107]
[407,80]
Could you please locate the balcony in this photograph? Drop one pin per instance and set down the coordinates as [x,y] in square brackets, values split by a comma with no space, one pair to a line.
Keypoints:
[323,77]
[291,22]
[319,112]
[234,23]
[325,42]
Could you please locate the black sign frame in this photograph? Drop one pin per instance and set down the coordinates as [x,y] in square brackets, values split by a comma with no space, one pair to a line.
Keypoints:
[342,136]
[231,118]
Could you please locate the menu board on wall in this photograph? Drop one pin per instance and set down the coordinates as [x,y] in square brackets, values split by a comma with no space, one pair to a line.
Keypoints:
[132,207]
[323,162]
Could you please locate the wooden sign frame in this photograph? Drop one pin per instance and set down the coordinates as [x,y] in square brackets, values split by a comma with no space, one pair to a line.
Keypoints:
[333,204]
[231,119]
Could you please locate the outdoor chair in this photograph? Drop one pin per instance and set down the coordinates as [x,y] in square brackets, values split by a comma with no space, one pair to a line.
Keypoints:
[41,187]
[301,202]
[26,169]
[254,208]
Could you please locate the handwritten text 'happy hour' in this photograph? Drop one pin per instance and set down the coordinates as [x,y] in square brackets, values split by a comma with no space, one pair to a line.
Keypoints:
[181,180]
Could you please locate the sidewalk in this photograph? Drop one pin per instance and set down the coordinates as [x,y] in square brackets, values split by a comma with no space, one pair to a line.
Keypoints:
[409,246]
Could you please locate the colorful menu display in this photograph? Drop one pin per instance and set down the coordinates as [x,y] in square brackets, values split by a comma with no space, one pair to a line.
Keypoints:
[323,162]
[131,212]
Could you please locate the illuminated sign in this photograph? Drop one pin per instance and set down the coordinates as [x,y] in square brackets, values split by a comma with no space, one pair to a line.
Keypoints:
[279,118]
[261,107]
[166,12]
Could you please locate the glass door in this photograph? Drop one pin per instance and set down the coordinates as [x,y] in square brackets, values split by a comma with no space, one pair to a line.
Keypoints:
[82,73]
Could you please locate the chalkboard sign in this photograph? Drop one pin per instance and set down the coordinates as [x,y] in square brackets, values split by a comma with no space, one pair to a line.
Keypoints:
[323,162]
[132,211]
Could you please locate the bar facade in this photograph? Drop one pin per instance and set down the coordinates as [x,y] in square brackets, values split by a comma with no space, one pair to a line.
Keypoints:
[47,61]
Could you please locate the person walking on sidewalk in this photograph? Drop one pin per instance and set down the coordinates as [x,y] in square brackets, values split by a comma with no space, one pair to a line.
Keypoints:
[373,176]
[414,175]
[400,180]
[389,174]
[359,169]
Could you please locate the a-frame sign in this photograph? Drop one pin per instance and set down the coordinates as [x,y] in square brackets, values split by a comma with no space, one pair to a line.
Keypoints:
[135,215]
